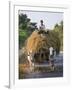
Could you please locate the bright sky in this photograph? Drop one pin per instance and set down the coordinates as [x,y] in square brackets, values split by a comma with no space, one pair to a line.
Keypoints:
[49,18]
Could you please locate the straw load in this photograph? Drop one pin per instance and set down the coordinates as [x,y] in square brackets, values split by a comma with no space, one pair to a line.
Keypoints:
[38,41]
[35,42]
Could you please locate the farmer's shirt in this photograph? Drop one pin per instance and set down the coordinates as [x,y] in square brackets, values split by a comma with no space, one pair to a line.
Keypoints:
[42,27]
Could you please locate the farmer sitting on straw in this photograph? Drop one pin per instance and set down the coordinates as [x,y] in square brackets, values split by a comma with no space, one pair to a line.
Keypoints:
[42,29]
[42,26]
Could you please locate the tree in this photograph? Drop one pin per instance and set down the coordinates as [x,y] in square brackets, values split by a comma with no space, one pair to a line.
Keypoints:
[32,26]
[25,28]
[23,21]
[58,28]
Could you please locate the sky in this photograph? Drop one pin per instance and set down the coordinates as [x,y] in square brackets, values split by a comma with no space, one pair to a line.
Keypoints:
[49,18]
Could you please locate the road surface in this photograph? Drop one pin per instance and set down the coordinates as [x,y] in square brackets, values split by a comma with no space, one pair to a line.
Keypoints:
[59,73]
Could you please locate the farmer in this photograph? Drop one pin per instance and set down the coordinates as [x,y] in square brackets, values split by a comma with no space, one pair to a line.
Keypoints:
[42,26]
[42,29]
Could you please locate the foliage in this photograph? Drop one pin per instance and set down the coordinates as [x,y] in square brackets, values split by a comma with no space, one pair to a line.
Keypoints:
[22,37]
[23,21]
[25,28]
[59,30]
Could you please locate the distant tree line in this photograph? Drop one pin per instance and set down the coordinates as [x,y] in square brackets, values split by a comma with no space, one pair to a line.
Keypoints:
[58,28]
[26,27]
[25,22]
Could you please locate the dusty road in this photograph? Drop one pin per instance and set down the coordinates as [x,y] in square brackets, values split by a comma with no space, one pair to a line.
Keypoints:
[58,73]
